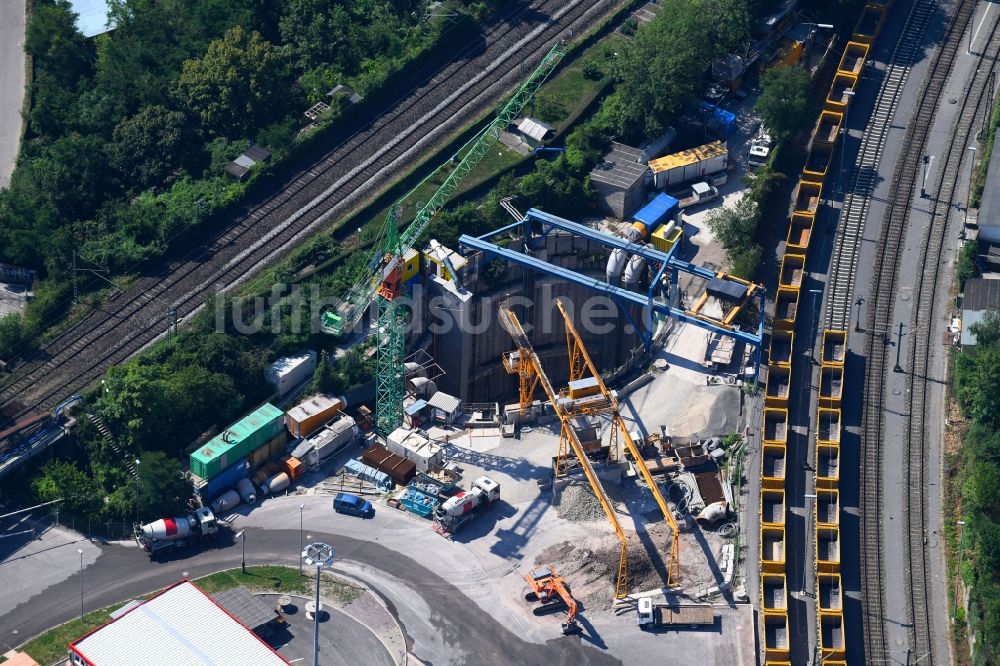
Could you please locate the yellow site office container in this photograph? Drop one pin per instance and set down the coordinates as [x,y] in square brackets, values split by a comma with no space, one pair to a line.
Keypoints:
[773,593]
[869,24]
[834,347]
[786,305]
[829,593]
[411,264]
[776,636]
[772,465]
[780,350]
[799,232]
[807,197]
[772,506]
[779,381]
[664,240]
[771,662]
[817,162]
[853,60]
[832,644]
[828,426]
[840,92]
[827,465]
[828,549]
[775,426]
[827,507]
[831,385]
[772,549]
[792,271]
[828,128]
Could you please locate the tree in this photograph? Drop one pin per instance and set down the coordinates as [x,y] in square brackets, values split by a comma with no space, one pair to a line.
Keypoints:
[61,479]
[987,330]
[319,32]
[731,23]
[785,104]
[235,86]
[12,334]
[325,378]
[977,384]
[662,69]
[163,490]
[735,227]
[145,147]
[979,492]
[966,267]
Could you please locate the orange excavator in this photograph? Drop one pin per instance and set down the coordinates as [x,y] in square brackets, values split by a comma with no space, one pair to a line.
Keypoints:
[549,589]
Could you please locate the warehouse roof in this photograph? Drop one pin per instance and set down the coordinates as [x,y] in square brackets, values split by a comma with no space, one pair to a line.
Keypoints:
[179,626]
[317,404]
[619,167]
[245,607]
[689,156]
[534,128]
[447,403]
[981,294]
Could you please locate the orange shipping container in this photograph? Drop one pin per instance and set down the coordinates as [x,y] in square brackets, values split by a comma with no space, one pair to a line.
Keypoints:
[292,467]
[306,417]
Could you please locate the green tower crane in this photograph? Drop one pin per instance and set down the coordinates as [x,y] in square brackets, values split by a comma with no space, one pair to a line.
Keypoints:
[384,276]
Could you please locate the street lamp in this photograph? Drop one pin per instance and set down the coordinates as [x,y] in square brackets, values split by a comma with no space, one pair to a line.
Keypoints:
[814,318]
[961,547]
[899,348]
[319,555]
[968,196]
[243,534]
[301,547]
[857,323]
[843,142]
[136,491]
[824,26]
[80,550]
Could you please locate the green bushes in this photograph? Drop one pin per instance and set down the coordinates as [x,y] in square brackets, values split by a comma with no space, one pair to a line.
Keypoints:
[977,382]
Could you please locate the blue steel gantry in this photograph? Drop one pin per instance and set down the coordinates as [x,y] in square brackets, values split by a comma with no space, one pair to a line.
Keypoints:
[729,288]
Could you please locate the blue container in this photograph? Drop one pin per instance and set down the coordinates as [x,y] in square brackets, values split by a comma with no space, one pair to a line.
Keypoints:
[225,480]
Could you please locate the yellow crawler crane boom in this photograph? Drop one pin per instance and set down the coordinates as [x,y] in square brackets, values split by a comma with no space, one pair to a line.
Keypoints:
[579,360]
[525,356]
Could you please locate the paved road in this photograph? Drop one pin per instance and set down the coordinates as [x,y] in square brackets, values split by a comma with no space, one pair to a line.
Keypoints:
[11,83]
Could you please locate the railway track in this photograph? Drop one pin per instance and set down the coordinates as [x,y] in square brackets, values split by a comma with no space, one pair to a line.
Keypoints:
[885,275]
[863,173]
[928,289]
[347,175]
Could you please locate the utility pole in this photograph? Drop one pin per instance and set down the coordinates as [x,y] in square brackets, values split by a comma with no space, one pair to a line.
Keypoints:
[923,180]
[844,130]
[899,347]
[961,549]
[968,196]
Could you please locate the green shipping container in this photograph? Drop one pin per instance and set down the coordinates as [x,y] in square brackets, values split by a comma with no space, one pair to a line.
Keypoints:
[237,441]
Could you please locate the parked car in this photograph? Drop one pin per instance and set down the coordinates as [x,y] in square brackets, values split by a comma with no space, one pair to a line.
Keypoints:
[353,505]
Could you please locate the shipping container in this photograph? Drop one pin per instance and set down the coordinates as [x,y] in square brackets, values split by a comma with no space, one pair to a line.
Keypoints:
[688,165]
[273,448]
[774,593]
[288,372]
[237,441]
[399,469]
[292,467]
[799,233]
[328,441]
[772,472]
[786,305]
[411,445]
[228,478]
[309,415]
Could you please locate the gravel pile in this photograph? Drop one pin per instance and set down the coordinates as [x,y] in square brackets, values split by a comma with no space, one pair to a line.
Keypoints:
[579,504]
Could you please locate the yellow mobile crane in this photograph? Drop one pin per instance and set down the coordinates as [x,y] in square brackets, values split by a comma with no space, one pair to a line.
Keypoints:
[524,363]
[579,363]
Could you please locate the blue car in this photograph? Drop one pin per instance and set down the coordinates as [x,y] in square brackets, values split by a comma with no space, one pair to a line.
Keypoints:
[353,505]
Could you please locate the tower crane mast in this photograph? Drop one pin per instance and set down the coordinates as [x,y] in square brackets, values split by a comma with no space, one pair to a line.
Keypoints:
[384,276]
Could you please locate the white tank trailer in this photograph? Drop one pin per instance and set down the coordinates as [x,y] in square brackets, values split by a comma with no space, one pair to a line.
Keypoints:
[275,484]
[176,532]
[246,490]
[226,501]
[465,505]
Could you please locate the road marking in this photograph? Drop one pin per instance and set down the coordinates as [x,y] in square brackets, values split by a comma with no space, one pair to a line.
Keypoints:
[975,35]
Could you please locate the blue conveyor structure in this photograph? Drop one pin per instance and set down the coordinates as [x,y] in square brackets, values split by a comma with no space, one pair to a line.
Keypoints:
[652,301]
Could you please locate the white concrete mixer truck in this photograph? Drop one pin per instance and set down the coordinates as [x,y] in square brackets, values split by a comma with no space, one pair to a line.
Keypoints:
[464,505]
[176,532]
